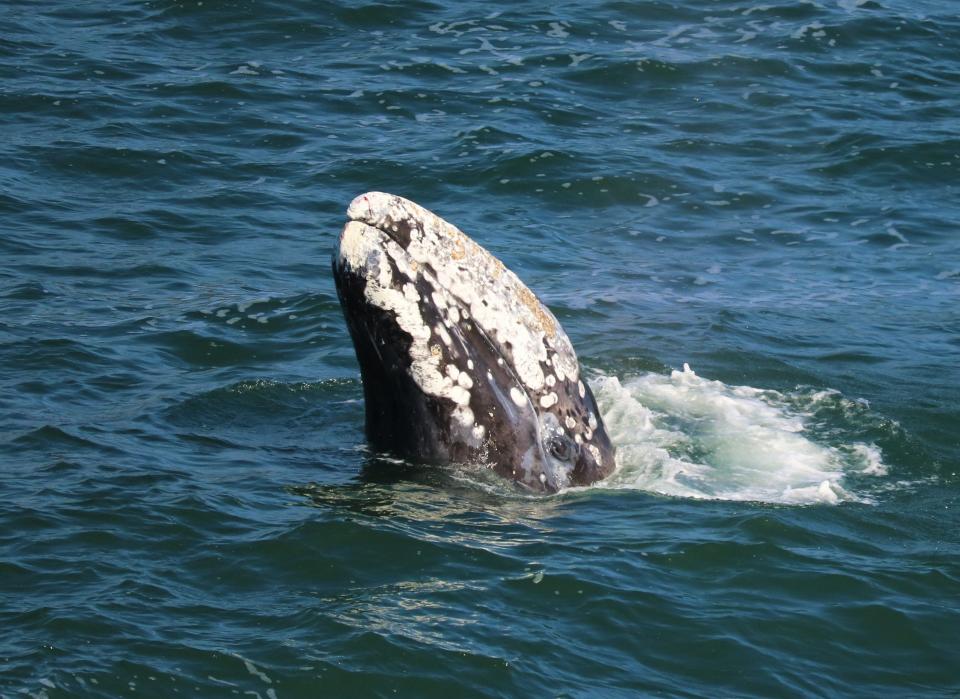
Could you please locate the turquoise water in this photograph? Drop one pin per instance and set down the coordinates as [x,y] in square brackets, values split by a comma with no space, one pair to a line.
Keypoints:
[765,193]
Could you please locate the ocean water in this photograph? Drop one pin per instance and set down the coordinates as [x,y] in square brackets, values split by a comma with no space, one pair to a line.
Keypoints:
[746,216]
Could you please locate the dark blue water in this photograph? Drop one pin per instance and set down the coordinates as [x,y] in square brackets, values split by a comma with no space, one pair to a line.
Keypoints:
[768,193]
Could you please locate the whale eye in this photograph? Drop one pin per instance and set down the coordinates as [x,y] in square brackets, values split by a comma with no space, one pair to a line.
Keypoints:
[561,448]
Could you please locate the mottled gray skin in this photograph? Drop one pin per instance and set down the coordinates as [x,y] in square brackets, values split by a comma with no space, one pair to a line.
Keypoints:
[460,362]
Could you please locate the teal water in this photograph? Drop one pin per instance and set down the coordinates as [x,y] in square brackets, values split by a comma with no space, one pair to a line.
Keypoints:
[766,193]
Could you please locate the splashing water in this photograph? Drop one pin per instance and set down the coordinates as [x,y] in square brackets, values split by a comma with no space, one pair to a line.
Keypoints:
[687,436]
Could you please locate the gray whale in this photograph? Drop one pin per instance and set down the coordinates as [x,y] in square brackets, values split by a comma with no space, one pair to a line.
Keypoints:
[460,361]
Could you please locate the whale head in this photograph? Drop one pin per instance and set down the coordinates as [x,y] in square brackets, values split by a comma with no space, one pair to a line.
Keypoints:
[460,361]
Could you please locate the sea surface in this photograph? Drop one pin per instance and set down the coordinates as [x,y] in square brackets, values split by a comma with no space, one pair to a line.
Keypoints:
[746,216]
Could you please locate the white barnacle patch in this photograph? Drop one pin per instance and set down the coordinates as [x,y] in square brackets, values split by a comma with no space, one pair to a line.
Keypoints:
[570,423]
[566,364]
[581,389]
[443,334]
[464,416]
[578,439]
[479,432]
[559,370]
[549,400]
[551,380]
[464,380]
[470,364]
[518,396]
[588,434]
[459,395]
[355,247]
[452,372]
[404,264]
[592,420]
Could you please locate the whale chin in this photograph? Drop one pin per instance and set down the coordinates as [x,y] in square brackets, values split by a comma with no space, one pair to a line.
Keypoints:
[461,363]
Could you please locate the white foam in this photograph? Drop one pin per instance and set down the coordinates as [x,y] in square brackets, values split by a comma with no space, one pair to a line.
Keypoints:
[687,436]
[871,459]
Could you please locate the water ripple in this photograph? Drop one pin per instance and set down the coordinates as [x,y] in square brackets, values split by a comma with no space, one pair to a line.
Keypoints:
[766,192]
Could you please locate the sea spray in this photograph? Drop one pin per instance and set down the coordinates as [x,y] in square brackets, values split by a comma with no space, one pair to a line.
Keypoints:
[684,435]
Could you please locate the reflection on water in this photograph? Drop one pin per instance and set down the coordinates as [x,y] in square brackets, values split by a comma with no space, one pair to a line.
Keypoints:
[482,508]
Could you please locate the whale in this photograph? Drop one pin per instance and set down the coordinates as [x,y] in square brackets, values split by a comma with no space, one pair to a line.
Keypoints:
[460,362]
